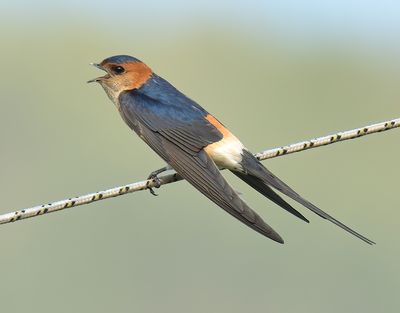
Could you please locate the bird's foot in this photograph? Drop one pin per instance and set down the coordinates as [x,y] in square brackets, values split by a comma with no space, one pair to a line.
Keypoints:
[156,181]
[154,177]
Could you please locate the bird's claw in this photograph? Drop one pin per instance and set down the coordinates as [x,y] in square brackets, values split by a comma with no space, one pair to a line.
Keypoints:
[156,181]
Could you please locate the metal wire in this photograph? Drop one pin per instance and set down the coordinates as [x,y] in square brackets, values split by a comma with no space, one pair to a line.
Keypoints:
[167,179]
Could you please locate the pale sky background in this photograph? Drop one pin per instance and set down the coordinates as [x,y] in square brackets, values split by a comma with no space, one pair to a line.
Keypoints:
[367,20]
[274,72]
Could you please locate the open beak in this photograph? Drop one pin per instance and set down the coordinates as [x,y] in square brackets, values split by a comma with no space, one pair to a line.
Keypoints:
[96,80]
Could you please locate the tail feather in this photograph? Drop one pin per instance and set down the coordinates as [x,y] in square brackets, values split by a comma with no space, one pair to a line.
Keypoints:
[253,167]
[265,190]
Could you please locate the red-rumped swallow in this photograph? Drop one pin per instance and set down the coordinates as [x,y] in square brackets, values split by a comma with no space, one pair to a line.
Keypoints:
[194,143]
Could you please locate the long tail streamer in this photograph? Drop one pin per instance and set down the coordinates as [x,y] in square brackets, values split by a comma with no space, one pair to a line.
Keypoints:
[170,178]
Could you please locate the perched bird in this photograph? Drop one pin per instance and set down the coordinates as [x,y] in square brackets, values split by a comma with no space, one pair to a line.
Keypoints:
[194,143]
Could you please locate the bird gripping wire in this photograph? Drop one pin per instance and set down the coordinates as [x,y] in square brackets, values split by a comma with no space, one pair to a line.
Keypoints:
[167,179]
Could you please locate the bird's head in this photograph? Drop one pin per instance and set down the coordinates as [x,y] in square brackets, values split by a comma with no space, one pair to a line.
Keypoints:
[123,73]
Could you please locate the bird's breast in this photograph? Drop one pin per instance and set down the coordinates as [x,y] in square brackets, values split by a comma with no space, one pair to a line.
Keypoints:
[226,153]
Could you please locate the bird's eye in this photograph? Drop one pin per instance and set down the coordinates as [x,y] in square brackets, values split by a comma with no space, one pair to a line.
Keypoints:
[118,70]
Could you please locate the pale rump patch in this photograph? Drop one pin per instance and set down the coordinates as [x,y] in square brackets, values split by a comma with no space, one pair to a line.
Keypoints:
[227,152]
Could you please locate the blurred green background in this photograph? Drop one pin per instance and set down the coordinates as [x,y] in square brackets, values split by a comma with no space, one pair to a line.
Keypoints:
[275,72]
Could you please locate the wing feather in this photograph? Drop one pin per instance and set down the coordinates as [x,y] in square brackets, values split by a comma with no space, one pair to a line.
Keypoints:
[199,170]
[186,126]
